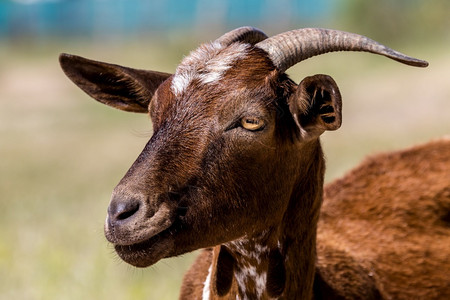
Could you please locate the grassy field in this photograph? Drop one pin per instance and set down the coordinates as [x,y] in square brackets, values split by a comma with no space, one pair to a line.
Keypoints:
[62,154]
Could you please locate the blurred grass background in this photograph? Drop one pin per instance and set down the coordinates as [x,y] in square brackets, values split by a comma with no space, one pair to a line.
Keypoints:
[62,153]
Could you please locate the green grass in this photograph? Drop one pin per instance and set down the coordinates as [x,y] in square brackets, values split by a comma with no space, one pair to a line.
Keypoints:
[62,154]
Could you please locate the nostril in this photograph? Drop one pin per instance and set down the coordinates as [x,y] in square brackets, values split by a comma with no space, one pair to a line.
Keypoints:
[128,211]
[122,210]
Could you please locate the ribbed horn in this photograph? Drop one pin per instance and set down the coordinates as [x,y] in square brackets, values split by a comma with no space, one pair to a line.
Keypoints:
[289,48]
[247,34]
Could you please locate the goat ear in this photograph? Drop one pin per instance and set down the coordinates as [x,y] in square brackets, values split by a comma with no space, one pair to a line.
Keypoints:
[120,87]
[316,106]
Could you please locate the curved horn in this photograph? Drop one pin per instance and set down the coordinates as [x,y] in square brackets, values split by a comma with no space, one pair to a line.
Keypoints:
[289,48]
[247,34]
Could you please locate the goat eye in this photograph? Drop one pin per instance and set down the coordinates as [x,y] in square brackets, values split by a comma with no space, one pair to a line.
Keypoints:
[252,123]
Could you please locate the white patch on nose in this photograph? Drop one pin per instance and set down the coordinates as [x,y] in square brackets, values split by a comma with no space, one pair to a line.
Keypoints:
[207,64]
[206,284]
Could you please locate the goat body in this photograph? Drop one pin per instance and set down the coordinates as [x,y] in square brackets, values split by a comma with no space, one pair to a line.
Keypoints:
[235,165]
[386,227]
[383,232]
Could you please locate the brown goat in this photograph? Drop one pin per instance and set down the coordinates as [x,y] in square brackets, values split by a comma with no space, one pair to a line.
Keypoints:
[235,163]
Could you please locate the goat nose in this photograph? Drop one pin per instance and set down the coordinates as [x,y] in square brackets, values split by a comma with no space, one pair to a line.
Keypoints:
[122,210]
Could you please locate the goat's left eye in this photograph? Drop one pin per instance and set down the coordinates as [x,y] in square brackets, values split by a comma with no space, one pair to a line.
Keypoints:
[252,123]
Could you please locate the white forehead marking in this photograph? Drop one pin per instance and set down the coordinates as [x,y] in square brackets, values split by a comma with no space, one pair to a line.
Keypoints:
[207,64]
[205,295]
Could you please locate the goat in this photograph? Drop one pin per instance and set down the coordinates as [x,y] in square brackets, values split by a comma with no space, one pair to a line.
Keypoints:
[235,166]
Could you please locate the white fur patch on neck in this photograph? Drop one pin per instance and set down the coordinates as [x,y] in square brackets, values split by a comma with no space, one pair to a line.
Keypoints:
[244,275]
[252,265]
[206,285]
[207,64]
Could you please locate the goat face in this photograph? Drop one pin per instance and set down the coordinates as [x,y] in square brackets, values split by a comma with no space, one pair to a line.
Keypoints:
[216,166]
[233,137]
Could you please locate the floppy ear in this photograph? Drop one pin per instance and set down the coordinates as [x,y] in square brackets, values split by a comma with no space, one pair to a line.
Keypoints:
[120,87]
[316,106]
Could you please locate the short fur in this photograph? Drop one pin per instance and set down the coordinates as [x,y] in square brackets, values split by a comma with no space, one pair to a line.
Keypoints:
[252,195]
[377,233]
[389,218]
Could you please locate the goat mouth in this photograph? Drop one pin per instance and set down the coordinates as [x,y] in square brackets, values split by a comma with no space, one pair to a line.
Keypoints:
[150,251]
[147,252]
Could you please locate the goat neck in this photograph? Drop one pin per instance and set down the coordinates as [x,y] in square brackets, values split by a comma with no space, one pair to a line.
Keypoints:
[277,261]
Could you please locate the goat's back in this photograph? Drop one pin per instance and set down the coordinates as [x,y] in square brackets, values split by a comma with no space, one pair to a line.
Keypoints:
[384,230]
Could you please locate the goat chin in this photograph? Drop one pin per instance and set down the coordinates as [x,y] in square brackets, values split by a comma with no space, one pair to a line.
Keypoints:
[148,252]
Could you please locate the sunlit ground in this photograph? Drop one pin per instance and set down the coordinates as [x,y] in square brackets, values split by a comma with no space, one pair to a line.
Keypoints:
[62,153]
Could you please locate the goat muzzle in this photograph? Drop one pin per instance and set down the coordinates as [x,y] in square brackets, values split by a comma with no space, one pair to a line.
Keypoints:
[134,219]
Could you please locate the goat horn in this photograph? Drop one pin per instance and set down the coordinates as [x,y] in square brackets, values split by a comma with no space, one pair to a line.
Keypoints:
[289,48]
[247,34]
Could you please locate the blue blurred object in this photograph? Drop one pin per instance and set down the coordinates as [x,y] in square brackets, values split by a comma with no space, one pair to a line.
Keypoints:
[41,18]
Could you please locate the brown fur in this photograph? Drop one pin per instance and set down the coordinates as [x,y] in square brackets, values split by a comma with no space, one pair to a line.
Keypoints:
[389,218]
[252,197]
[382,233]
